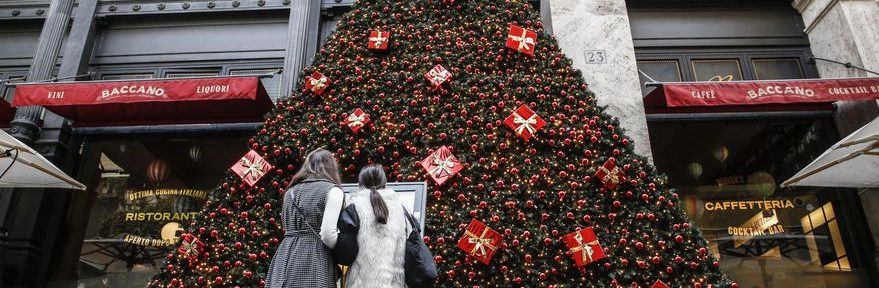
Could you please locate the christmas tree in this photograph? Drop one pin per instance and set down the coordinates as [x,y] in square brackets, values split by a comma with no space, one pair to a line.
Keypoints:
[532,184]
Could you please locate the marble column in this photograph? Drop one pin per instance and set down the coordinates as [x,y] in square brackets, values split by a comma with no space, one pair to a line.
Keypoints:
[847,31]
[596,35]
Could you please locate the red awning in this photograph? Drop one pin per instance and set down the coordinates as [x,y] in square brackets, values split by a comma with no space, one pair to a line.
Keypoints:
[150,102]
[775,95]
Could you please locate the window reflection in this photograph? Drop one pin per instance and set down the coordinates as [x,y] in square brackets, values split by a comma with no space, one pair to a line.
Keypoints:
[727,173]
[658,70]
[145,190]
[717,70]
[777,68]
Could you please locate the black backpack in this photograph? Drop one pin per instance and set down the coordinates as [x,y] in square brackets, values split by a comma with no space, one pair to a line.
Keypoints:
[419,266]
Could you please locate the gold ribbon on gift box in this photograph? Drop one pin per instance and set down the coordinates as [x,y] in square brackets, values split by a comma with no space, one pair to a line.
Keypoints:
[190,248]
[584,248]
[378,40]
[611,175]
[438,75]
[355,120]
[525,124]
[254,169]
[481,243]
[317,84]
[523,40]
[442,165]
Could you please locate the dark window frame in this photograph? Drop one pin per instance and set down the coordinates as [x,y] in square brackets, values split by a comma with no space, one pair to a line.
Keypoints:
[744,56]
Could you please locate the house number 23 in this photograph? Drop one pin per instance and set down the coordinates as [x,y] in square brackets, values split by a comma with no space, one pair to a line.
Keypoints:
[596,57]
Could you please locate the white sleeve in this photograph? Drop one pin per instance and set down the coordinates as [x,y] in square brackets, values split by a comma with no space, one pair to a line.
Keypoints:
[329,232]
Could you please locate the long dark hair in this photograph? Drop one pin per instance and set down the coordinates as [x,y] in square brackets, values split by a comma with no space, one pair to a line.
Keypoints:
[373,177]
[318,164]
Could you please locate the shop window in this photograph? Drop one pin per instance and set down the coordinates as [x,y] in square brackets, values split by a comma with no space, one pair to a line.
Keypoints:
[716,69]
[271,83]
[727,174]
[145,190]
[127,76]
[779,68]
[817,225]
[659,70]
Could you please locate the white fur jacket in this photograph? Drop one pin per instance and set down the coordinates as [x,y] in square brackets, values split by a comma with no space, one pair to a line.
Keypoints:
[380,260]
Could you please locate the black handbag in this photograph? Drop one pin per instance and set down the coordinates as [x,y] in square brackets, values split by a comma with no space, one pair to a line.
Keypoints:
[346,248]
[419,266]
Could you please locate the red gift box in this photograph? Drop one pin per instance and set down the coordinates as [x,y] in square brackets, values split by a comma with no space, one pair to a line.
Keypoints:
[317,83]
[378,40]
[190,246]
[441,165]
[609,174]
[525,122]
[522,40]
[480,241]
[438,75]
[659,284]
[357,120]
[251,167]
[584,246]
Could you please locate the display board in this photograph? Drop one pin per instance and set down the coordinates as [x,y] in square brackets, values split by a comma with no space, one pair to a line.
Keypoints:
[412,194]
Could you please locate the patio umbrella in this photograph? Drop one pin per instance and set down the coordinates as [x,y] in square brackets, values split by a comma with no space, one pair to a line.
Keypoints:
[852,162]
[22,167]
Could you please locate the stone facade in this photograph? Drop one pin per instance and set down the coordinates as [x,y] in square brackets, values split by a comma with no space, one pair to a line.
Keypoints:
[847,31]
[603,26]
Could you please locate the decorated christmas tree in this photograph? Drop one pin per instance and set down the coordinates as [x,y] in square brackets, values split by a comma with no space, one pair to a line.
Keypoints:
[531,183]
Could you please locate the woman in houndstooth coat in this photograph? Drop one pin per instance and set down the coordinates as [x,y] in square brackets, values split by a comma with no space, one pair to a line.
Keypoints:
[304,258]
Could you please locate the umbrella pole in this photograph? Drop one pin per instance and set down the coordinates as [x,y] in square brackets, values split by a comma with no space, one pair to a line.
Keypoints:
[866,150]
[15,146]
[874,137]
[64,178]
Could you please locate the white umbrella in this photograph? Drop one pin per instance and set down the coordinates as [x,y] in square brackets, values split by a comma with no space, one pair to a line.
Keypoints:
[852,162]
[22,167]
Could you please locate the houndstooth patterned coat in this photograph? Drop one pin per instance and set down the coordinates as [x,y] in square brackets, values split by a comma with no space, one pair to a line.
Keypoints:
[302,260]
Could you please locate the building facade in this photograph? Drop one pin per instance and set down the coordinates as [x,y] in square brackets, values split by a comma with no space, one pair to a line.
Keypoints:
[145,179]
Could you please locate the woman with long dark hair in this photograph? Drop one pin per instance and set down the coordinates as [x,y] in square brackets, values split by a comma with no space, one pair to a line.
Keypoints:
[314,199]
[382,235]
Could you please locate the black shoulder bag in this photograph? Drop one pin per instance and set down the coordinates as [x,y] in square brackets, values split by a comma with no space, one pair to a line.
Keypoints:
[419,266]
[346,247]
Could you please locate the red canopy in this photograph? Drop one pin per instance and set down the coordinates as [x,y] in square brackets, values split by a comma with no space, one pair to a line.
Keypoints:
[769,95]
[157,101]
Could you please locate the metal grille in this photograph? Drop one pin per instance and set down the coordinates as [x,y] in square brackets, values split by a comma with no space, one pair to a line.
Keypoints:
[126,76]
[192,74]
